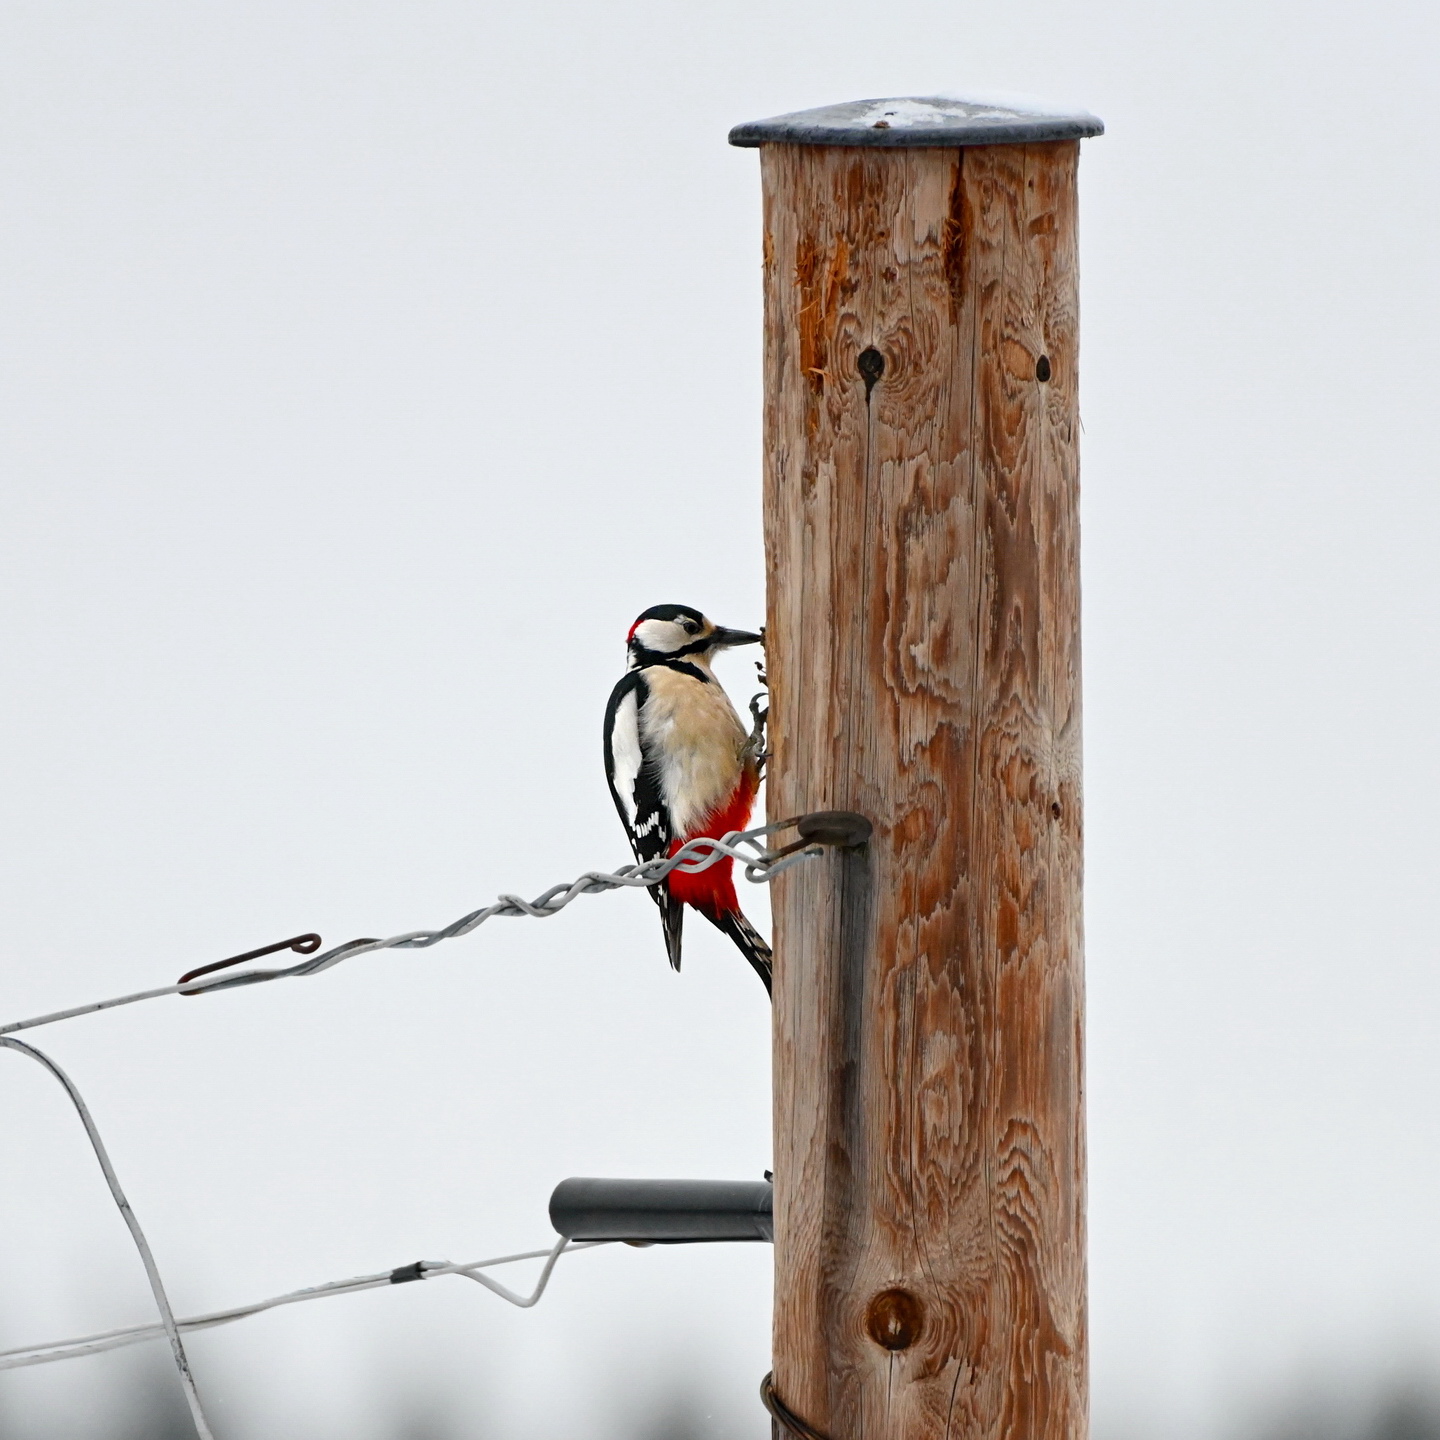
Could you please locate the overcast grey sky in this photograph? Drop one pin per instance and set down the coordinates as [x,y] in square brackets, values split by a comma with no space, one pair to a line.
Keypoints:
[364,369]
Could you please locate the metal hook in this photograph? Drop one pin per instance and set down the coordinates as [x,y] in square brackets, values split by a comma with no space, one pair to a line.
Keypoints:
[841,828]
[301,944]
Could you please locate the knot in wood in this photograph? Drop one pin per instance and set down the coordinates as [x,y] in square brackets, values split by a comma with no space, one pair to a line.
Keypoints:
[871,365]
[894,1319]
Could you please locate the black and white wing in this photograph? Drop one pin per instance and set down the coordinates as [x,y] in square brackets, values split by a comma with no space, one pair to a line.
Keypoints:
[635,787]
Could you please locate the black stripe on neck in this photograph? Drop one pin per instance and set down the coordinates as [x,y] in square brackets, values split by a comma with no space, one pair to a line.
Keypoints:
[668,662]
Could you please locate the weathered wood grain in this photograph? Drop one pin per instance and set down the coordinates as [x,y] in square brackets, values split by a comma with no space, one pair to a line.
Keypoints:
[923,654]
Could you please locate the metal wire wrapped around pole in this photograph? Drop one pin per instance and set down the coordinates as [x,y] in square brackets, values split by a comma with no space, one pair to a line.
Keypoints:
[783,1415]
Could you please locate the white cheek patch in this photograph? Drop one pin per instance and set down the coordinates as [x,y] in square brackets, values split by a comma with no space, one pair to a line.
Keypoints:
[662,636]
[625,752]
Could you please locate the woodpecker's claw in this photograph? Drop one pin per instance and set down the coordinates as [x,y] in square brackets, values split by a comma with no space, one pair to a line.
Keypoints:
[755,751]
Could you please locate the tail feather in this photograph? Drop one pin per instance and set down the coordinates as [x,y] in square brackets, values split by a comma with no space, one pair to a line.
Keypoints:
[748,939]
[672,921]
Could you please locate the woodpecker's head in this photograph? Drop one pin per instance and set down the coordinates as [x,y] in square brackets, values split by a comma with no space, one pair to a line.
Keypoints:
[676,632]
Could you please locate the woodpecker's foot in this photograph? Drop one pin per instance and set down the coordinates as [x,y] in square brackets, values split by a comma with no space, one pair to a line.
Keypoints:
[755,752]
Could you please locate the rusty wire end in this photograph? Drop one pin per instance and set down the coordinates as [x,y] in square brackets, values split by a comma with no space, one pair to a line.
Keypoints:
[302,944]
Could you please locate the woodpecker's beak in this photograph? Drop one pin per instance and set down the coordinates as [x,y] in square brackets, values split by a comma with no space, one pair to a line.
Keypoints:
[724,639]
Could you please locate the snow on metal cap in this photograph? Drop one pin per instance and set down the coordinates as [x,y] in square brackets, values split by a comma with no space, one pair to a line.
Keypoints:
[975,119]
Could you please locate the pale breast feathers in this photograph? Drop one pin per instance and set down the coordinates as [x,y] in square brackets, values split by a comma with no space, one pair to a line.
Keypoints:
[692,730]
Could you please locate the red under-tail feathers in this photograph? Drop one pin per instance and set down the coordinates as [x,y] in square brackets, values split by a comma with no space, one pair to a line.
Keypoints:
[712,891]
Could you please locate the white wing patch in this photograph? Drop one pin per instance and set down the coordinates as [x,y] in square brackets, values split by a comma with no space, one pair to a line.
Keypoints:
[625,754]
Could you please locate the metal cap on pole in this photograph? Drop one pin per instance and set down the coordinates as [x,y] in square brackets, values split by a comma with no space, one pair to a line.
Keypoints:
[922,547]
[922,121]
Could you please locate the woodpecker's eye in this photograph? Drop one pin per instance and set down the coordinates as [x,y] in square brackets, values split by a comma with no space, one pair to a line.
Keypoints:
[690,627]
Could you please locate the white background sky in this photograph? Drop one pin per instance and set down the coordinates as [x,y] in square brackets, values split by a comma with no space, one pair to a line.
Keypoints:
[364,369]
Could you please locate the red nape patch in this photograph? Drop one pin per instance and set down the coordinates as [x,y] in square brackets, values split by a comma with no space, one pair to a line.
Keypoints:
[713,890]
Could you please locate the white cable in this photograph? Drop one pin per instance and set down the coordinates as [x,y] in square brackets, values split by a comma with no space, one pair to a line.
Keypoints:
[524,1302]
[699,854]
[88,1009]
[103,1340]
[157,1288]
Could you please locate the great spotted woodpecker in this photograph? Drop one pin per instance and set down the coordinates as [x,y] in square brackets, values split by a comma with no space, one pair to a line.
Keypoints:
[681,764]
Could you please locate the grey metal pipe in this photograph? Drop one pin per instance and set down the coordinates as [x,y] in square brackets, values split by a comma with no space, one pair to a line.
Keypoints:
[663,1212]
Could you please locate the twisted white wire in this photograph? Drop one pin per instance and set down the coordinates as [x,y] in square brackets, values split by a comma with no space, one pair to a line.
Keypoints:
[697,855]
[171,1328]
[23,1355]
[152,1273]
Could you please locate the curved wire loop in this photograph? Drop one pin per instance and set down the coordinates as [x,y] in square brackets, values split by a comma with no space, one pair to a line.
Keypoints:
[152,1273]
[301,944]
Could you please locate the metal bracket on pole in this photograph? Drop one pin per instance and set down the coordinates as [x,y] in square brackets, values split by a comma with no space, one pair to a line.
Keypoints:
[840,829]
[663,1212]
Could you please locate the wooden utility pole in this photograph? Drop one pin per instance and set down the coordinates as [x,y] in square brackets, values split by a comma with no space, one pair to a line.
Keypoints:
[921,498]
